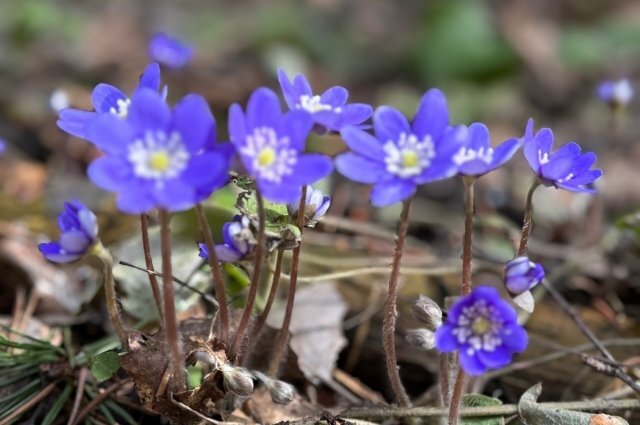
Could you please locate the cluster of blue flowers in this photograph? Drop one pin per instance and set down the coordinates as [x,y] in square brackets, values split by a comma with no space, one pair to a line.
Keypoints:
[158,156]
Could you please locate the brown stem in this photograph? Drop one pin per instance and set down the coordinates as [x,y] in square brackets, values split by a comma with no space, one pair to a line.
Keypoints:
[148,259]
[469,182]
[44,393]
[171,321]
[255,279]
[389,321]
[527,223]
[99,399]
[110,293]
[272,295]
[457,397]
[214,264]
[283,335]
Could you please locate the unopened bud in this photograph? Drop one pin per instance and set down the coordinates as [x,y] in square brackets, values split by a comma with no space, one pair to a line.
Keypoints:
[421,338]
[237,380]
[281,392]
[427,311]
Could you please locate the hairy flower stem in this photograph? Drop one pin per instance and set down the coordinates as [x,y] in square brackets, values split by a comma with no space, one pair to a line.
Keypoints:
[218,281]
[527,223]
[389,321]
[275,282]
[170,319]
[110,293]
[255,280]
[465,286]
[148,259]
[283,336]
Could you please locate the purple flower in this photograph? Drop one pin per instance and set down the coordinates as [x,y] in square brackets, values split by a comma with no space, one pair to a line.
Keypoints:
[169,51]
[522,274]
[106,99]
[270,146]
[156,157]
[238,241]
[477,157]
[316,203]
[616,93]
[566,168]
[401,156]
[79,234]
[484,329]
[329,110]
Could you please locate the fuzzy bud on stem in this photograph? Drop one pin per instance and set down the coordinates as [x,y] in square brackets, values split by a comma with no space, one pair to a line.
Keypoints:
[427,311]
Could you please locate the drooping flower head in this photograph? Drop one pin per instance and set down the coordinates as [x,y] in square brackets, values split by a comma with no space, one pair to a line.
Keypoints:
[79,229]
[477,157]
[106,99]
[329,110]
[484,330]
[157,157]
[316,203]
[239,241]
[566,168]
[169,51]
[270,144]
[401,156]
[522,274]
[617,94]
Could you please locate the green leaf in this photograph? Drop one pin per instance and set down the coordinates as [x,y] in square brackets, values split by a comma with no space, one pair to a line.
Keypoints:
[57,406]
[104,365]
[479,400]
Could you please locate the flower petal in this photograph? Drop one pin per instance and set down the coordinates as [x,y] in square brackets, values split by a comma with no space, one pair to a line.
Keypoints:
[237,125]
[193,119]
[53,252]
[389,192]
[74,121]
[290,94]
[74,241]
[495,359]
[263,109]
[389,123]
[359,169]
[536,147]
[514,338]
[135,198]
[297,125]
[363,143]
[432,116]
[150,77]
[445,339]
[149,111]
[470,363]
[227,254]
[175,195]
[110,133]
[334,96]
[110,173]
[311,167]
[280,193]
[105,96]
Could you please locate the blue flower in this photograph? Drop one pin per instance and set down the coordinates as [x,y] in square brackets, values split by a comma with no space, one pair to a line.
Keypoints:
[566,168]
[477,157]
[329,110]
[484,330]
[169,51]
[106,99]
[238,241]
[156,157]
[401,156]
[616,93]
[316,203]
[522,274]
[79,234]
[270,146]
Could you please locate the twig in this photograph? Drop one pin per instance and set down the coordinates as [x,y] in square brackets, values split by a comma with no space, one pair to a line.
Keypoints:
[255,279]
[148,260]
[218,281]
[82,377]
[170,318]
[503,410]
[389,320]
[527,223]
[564,304]
[29,404]
[180,282]
[283,335]
[99,399]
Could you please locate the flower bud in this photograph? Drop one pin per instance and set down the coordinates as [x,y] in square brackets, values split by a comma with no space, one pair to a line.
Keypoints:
[427,311]
[280,391]
[237,380]
[421,338]
[316,206]
[522,274]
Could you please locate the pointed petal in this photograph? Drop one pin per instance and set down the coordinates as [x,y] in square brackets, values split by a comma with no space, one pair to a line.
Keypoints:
[149,111]
[432,116]
[390,192]
[150,77]
[389,123]
[193,119]
[74,121]
[105,96]
[359,169]
[263,109]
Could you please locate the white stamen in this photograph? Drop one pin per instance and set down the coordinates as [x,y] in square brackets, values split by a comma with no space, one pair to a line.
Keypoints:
[314,104]
[486,340]
[123,108]
[543,158]
[408,156]
[465,155]
[270,156]
[158,156]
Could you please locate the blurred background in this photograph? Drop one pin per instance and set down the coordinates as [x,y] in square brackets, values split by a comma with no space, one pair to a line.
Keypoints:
[498,62]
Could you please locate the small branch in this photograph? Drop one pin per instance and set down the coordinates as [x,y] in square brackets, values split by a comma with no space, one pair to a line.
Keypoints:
[110,293]
[214,264]
[564,304]
[527,223]
[255,279]
[389,321]
[283,335]
[469,183]
[29,404]
[148,259]
[82,377]
[504,410]
[409,271]
[171,325]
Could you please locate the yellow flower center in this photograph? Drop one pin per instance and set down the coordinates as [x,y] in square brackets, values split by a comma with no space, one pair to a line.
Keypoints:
[481,326]
[159,161]
[266,157]
[409,159]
